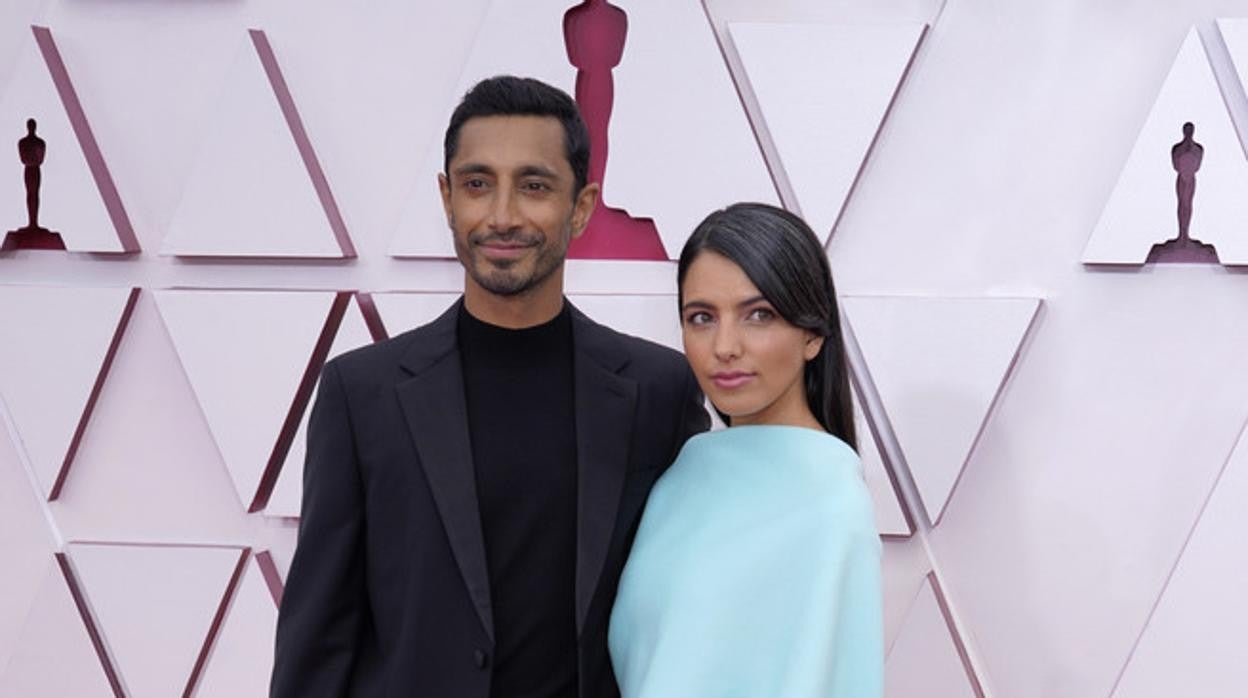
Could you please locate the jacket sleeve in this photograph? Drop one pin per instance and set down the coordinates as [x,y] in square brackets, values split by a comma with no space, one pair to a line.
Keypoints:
[324,604]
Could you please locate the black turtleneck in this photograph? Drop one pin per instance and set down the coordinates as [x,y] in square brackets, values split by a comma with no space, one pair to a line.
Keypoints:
[521,424]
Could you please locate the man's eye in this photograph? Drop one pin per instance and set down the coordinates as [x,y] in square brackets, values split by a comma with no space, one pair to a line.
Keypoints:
[535,186]
[475,183]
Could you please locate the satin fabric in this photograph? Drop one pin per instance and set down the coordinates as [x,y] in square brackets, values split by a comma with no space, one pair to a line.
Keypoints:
[755,573]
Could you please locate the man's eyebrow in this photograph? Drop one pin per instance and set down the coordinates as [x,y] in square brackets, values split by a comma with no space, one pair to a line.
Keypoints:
[537,171]
[472,168]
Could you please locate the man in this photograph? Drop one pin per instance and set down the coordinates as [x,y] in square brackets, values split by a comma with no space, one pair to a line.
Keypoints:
[472,486]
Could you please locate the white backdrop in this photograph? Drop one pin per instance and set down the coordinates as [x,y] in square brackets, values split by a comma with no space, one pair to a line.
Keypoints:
[1063,439]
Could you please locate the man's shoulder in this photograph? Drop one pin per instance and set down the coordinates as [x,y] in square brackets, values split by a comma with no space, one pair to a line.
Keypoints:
[383,356]
[649,356]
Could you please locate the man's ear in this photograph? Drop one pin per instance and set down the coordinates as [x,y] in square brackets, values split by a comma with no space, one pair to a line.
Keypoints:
[583,207]
[444,186]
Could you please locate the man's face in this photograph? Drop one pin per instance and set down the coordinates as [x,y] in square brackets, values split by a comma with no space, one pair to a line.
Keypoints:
[510,202]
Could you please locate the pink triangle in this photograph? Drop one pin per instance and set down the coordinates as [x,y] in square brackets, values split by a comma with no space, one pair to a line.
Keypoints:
[252,359]
[287,494]
[56,347]
[926,659]
[257,188]
[242,655]
[938,365]
[56,656]
[158,608]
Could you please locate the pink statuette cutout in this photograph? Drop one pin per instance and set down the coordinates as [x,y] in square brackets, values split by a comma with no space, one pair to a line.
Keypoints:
[595,32]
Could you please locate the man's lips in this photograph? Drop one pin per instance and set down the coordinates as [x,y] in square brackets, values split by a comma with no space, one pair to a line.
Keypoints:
[728,380]
[504,249]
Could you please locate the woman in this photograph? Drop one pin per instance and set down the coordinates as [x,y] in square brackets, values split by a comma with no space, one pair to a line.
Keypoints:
[756,567]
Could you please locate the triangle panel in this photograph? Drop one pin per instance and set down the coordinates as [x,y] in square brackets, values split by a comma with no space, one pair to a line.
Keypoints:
[652,317]
[242,654]
[824,91]
[938,364]
[249,192]
[516,37]
[924,659]
[55,656]
[70,201]
[1232,242]
[1194,642]
[676,112]
[55,348]
[245,354]
[402,312]
[288,492]
[1142,210]
[890,515]
[155,601]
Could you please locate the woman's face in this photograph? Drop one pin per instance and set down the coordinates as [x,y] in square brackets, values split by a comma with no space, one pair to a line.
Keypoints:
[748,360]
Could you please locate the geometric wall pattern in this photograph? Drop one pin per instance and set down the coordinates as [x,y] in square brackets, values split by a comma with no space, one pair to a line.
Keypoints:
[1141,211]
[1056,451]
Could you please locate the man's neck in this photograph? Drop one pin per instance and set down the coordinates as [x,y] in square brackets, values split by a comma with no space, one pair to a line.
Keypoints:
[514,312]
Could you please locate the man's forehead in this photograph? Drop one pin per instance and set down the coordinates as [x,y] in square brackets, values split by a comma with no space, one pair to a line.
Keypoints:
[512,141]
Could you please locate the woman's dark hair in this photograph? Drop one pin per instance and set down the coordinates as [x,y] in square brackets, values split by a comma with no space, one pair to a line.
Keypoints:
[783,258]
[508,95]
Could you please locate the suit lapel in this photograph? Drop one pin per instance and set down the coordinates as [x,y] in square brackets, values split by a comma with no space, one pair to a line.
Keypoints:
[605,405]
[436,412]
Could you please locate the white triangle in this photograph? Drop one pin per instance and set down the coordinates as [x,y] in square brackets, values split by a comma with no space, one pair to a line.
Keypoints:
[823,90]
[249,193]
[245,353]
[1194,643]
[1232,242]
[1141,211]
[890,518]
[25,542]
[677,125]
[288,491]
[53,343]
[401,312]
[69,200]
[516,37]
[924,659]
[55,657]
[938,364]
[153,602]
[652,317]
[242,655]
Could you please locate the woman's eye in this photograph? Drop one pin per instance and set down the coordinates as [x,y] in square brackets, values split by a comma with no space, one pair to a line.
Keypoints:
[698,318]
[761,315]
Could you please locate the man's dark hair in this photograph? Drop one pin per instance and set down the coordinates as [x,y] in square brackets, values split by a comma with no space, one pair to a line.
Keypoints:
[508,95]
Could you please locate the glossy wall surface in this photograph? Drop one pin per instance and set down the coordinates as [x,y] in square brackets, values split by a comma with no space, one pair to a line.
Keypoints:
[1053,425]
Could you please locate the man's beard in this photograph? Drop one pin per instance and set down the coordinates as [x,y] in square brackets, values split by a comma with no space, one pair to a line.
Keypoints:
[501,277]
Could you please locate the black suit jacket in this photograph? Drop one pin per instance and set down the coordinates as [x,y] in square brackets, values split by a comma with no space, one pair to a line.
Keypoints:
[388,593]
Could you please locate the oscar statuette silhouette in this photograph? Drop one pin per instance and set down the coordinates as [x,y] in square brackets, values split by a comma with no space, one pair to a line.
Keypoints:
[31,150]
[594,33]
[1185,157]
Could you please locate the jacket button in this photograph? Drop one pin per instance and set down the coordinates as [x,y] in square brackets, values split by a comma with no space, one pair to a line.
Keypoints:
[481,659]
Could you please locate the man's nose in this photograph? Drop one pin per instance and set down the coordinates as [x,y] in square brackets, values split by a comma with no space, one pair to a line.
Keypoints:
[504,211]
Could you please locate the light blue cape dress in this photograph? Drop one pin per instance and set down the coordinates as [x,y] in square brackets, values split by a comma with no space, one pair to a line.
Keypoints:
[755,573]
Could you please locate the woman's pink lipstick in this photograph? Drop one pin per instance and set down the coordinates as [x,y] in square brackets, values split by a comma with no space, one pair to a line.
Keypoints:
[731,379]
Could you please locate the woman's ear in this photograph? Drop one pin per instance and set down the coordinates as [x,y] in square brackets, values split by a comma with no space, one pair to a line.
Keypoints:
[813,344]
